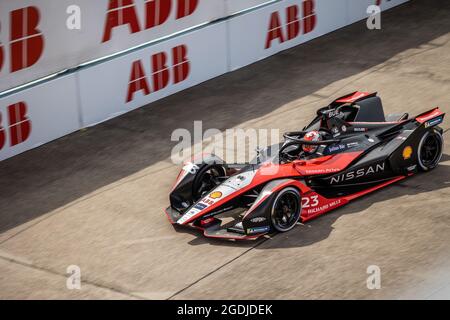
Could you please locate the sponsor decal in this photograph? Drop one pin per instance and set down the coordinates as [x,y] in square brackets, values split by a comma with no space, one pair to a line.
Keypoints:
[344,128]
[352,144]
[125,14]
[334,113]
[258,230]
[433,122]
[200,206]
[18,126]
[316,209]
[216,195]
[26,40]
[336,148]
[322,171]
[296,24]
[412,168]
[207,221]
[208,202]
[407,152]
[258,219]
[188,215]
[351,175]
[360,129]
[167,67]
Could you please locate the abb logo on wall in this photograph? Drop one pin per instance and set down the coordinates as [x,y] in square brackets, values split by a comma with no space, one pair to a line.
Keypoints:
[294,26]
[19,126]
[26,42]
[161,72]
[123,12]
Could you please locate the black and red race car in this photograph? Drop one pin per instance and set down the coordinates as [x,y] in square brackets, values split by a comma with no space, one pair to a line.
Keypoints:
[350,149]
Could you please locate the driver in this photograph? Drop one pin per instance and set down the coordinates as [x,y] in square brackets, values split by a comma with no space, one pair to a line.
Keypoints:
[311,136]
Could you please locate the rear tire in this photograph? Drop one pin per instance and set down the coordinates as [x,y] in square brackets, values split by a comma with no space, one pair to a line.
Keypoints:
[430,149]
[286,209]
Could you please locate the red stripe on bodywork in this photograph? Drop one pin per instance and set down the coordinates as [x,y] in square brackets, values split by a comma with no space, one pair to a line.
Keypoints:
[354,97]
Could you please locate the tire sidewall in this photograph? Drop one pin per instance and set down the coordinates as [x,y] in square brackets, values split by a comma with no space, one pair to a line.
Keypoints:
[282,192]
[422,140]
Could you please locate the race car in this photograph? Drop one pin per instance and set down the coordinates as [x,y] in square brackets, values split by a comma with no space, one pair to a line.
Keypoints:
[350,149]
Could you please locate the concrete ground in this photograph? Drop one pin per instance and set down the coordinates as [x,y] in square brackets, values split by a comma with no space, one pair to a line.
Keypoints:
[95,198]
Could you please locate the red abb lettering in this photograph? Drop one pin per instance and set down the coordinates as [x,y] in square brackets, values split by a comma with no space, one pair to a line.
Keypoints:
[120,12]
[157,12]
[275,30]
[19,124]
[186,8]
[27,42]
[293,24]
[161,72]
[309,16]
[1,58]
[138,80]
[181,66]
[2,134]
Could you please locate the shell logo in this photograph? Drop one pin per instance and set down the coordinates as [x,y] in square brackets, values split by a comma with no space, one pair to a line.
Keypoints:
[407,152]
[216,195]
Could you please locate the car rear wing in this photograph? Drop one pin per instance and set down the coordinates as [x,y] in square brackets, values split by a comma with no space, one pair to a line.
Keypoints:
[431,118]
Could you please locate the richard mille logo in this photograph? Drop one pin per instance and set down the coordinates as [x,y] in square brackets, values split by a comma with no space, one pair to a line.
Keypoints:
[357,173]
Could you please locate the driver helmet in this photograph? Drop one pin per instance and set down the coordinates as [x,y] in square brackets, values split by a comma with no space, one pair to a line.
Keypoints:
[311,136]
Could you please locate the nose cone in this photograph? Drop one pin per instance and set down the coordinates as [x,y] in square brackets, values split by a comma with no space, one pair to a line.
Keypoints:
[218,196]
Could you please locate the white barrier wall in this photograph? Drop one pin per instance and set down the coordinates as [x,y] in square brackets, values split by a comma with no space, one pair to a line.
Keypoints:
[235,6]
[93,94]
[41,37]
[152,73]
[281,26]
[107,27]
[38,115]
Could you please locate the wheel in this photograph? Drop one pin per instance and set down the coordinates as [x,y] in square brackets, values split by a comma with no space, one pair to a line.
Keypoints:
[286,209]
[430,148]
[206,180]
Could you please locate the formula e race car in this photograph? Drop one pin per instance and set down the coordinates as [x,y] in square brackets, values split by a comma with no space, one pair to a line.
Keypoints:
[350,149]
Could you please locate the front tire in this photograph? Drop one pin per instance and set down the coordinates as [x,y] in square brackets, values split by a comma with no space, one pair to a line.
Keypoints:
[286,209]
[430,150]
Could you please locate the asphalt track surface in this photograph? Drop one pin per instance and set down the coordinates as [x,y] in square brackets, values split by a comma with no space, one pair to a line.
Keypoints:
[95,198]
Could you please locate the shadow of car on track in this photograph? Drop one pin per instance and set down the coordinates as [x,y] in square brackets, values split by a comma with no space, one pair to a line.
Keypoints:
[320,228]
